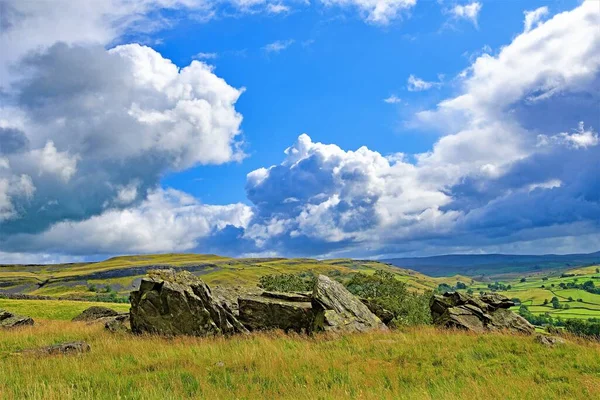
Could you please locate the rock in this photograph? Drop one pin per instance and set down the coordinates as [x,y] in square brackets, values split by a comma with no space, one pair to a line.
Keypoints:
[386,316]
[486,313]
[338,310]
[496,301]
[259,313]
[293,297]
[549,341]
[62,348]
[120,323]
[10,320]
[94,313]
[179,303]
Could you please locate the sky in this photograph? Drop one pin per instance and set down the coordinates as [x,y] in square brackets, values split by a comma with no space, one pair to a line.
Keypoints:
[325,128]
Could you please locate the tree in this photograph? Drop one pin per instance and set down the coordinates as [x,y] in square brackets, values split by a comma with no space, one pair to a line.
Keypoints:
[523,280]
[598,270]
[546,302]
[555,302]
[545,278]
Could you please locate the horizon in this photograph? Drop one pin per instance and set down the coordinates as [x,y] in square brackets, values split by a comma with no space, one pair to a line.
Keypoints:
[331,129]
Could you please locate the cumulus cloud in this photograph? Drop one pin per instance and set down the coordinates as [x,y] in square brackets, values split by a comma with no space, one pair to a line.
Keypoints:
[380,12]
[467,11]
[89,127]
[167,220]
[534,17]
[506,170]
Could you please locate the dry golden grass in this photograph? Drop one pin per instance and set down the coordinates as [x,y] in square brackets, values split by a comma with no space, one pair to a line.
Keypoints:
[419,363]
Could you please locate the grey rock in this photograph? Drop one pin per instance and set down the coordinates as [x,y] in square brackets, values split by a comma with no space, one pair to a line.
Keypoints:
[483,314]
[119,323]
[338,310]
[386,316]
[68,348]
[293,297]
[260,313]
[179,303]
[94,313]
[10,320]
[548,341]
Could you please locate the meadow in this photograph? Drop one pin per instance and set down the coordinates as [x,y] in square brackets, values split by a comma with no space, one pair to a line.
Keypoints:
[414,363]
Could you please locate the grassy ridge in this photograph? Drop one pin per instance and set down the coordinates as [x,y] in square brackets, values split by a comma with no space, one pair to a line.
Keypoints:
[419,363]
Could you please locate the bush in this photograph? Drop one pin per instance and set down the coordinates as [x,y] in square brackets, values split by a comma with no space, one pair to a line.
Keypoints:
[385,290]
[288,282]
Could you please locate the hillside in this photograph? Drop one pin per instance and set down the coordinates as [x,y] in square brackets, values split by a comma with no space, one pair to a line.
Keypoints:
[494,265]
[122,274]
[112,280]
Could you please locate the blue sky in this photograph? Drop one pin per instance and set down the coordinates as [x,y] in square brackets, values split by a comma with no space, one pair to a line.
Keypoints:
[431,127]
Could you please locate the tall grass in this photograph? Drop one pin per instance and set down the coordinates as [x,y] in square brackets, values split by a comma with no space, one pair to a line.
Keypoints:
[417,363]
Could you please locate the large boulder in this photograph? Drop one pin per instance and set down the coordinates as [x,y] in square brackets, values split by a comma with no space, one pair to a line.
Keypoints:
[10,320]
[486,313]
[179,303]
[338,310]
[264,312]
[94,313]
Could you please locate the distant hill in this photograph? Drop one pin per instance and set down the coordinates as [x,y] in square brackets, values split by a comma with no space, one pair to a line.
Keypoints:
[493,264]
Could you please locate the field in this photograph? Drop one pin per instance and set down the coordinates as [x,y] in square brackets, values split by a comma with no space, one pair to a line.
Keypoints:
[581,304]
[417,363]
[54,309]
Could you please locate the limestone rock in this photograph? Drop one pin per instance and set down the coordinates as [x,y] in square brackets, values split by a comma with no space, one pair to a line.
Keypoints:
[259,313]
[10,320]
[94,313]
[486,313]
[179,303]
[293,297]
[338,310]
[386,316]
[62,348]
[548,341]
[119,323]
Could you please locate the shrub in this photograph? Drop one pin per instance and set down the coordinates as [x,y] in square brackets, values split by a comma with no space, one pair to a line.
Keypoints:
[385,290]
[288,282]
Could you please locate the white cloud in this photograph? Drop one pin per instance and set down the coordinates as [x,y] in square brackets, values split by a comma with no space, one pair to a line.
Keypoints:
[111,117]
[277,8]
[581,138]
[415,84]
[167,221]
[468,11]
[205,56]
[278,46]
[534,18]
[393,99]
[380,12]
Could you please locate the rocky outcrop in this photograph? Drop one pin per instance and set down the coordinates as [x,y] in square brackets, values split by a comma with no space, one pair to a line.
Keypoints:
[171,303]
[477,314]
[337,310]
[265,312]
[10,320]
[94,313]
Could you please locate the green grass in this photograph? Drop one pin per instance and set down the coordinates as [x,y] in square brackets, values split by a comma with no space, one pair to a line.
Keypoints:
[54,309]
[418,363]
[533,295]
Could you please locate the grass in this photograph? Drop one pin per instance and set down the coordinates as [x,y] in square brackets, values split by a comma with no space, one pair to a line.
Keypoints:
[419,363]
[54,309]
